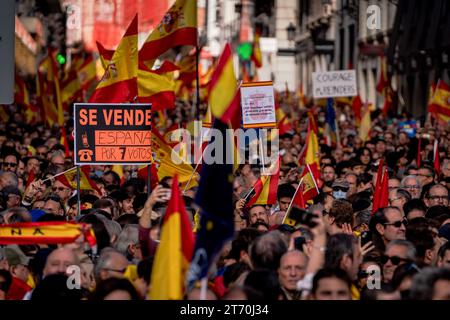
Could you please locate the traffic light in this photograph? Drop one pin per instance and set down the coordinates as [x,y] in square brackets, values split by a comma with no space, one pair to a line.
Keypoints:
[61,58]
[244,51]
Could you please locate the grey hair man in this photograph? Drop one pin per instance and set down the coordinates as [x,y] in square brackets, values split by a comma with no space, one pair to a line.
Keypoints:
[111,264]
[412,184]
[128,242]
[397,252]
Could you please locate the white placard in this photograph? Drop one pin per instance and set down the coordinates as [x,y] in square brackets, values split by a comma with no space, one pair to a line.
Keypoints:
[331,84]
[258,105]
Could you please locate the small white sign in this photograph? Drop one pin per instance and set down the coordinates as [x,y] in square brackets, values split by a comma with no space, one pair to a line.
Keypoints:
[258,105]
[331,84]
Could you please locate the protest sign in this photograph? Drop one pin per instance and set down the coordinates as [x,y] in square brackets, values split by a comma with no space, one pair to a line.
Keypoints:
[112,133]
[331,84]
[258,105]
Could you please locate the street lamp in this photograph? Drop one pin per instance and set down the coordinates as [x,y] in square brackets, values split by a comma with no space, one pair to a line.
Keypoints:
[291,31]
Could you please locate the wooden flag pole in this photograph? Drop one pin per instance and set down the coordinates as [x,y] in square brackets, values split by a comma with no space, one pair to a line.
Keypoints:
[149,183]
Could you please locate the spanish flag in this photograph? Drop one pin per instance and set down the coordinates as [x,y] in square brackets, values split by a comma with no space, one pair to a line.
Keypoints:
[439,105]
[119,82]
[223,91]
[283,122]
[366,123]
[174,252]
[266,187]
[256,51]
[177,28]
[69,179]
[311,182]
[168,163]
[87,72]
[71,90]
[52,232]
[312,149]
[22,97]
[48,89]
[156,87]
[64,141]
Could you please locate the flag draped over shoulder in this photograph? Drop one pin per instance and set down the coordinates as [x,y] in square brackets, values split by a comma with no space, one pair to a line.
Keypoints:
[223,93]
[178,27]
[119,82]
[174,252]
[53,232]
[214,197]
[266,187]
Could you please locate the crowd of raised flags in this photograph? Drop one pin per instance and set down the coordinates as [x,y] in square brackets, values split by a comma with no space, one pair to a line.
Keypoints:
[192,247]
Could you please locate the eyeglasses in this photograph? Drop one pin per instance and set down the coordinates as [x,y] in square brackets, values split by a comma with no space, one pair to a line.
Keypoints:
[396,260]
[59,189]
[397,224]
[438,197]
[362,274]
[9,164]
[412,187]
[116,270]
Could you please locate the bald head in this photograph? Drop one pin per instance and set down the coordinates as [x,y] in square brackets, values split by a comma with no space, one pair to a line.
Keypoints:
[59,260]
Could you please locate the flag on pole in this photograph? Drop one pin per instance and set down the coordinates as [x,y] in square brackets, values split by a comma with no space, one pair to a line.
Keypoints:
[223,92]
[381,193]
[439,106]
[69,179]
[214,197]
[174,252]
[256,50]
[266,187]
[119,82]
[366,123]
[311,182]
[157,87]
[178,27]
[330,124]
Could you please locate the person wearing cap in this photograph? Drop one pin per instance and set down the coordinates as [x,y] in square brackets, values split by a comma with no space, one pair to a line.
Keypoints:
[11,197]
[18,263]
[340,188]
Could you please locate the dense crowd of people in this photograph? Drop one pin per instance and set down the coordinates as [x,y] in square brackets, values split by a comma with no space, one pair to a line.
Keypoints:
[344,251]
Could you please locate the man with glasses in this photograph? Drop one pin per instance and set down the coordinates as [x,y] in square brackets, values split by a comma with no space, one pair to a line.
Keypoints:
[54,205]
[10,163]
[398,197]
[62,191]
[412,185]
[397,252]
[111,264]
[387,224]
[437,195]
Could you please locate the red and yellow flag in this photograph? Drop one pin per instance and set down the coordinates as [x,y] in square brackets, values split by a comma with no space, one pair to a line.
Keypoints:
[168,163]
[310,182]
[64,141]
[157,87]
[48,89]
[439,105]
[256,51]
[366,123]
[54,232]
[266,187]
[119,82]
[312,157]
[174,252]
[223,91]
[87,72]
[69,179]
[178,27]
